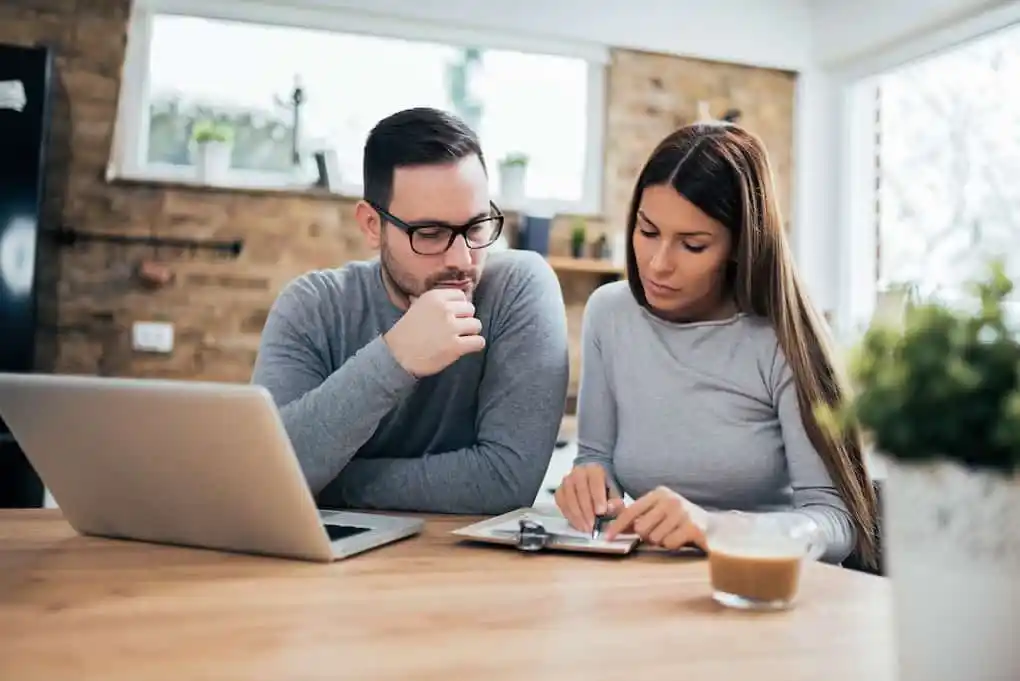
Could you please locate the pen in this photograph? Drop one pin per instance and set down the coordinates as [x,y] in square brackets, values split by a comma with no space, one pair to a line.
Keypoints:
[600,520]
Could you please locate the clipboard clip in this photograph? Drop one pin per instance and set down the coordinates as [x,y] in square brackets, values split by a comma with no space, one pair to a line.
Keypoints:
[532,535]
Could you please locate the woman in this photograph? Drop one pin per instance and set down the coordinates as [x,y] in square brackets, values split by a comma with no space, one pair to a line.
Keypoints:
[699,371]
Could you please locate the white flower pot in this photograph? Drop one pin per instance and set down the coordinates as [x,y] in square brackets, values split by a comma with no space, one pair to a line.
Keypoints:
[891,307]
[952,550]
[212,161]
[511,183]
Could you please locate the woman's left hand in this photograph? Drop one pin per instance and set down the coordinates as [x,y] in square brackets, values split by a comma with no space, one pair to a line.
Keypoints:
[662,518]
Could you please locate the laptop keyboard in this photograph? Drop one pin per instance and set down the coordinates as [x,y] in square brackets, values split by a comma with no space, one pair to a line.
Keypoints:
[337,532]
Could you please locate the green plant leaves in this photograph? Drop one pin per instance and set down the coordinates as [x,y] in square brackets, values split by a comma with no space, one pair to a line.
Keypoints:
[212,131]
[946,384]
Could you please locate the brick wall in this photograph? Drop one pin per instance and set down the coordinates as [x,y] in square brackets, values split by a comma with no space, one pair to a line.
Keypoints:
[650,95]
[217,304]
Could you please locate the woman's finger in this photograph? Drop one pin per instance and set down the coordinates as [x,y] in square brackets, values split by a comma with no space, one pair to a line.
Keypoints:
[680,537]
[566,497]
[582,492]
[597,490]
[650,520]
[614,506]
[626,517]
[673,519]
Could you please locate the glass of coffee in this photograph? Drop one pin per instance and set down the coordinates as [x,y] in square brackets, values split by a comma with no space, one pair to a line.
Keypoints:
[755,560]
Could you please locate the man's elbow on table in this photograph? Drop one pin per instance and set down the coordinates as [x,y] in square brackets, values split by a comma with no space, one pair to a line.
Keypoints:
[513,485]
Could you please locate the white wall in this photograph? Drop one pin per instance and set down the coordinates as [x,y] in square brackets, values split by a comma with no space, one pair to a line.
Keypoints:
[775,33]
[848,32]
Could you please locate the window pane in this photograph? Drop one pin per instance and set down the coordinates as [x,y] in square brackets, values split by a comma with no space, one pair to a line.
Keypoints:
[245,73]
[949,159]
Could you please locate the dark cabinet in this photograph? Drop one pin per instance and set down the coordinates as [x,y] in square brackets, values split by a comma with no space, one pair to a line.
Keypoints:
[25,96]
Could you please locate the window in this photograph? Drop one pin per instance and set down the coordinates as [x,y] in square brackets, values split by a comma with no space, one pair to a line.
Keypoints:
[242,70]
[949,158]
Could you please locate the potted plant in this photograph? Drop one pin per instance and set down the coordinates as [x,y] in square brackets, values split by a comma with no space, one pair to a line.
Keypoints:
[578,238]
[512,174]
[938,396]
[213,147]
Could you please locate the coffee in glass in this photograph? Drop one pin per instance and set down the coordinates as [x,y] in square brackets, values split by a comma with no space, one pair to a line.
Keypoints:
[755,561]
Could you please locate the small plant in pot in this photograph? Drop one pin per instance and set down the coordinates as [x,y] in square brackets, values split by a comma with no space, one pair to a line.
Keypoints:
[938,395]
[213,145]
[578,238]
[512,175]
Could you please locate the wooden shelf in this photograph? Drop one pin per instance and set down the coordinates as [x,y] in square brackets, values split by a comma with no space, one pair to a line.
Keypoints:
[585,265]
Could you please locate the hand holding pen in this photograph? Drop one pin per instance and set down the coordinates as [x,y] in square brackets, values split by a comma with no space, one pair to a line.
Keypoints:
[585,494]
[662,518]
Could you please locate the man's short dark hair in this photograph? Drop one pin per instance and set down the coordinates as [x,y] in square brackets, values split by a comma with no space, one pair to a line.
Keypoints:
[418,136]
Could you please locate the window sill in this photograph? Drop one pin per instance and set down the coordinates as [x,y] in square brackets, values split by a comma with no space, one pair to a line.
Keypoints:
[310,192]
[155,180]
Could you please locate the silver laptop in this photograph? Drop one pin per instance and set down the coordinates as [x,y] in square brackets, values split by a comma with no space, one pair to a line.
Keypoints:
[205,465]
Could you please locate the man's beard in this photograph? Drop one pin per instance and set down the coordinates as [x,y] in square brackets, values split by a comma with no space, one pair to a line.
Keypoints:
[406,288]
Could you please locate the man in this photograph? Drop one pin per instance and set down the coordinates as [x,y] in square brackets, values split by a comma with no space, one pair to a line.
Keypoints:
[432,378]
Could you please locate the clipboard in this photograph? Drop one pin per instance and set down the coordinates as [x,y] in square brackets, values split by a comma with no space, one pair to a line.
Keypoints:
[534,530]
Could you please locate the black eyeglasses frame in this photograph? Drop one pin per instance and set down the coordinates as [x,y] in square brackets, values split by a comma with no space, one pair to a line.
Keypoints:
[455,230]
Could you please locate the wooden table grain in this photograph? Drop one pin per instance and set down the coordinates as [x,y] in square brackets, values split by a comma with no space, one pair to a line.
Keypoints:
[427,608]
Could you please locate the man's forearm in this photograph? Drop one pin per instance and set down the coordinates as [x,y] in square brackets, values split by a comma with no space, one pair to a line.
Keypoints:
[328,424]
[485,479]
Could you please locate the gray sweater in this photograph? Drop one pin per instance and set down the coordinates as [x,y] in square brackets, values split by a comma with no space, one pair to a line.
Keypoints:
[475,438]
[708,410]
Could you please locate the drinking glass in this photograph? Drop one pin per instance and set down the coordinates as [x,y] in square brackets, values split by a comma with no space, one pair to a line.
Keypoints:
[756,560]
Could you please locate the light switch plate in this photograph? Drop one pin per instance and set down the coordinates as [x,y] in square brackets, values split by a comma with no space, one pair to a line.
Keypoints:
[152,337]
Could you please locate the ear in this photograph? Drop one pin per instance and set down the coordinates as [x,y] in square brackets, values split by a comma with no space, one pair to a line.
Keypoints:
[368,221]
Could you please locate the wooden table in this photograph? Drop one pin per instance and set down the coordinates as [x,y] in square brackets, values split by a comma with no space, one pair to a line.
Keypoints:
[426,608]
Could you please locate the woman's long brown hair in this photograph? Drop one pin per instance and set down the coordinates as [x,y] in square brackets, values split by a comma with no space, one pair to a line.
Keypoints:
[724,170]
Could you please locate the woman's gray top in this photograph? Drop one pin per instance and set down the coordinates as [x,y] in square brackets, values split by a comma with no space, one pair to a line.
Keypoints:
[707,409]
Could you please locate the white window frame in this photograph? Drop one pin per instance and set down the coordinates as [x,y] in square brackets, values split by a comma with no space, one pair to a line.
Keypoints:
[857,236]
[858,232]
[129,150]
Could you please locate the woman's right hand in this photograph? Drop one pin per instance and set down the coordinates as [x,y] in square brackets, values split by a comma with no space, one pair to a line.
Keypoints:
[584,493]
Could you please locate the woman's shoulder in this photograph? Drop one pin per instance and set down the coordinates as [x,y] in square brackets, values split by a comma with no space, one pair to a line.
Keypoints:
[609,304]
[758,330]
[614,296]
[609,309]
[758,334]
[762,340]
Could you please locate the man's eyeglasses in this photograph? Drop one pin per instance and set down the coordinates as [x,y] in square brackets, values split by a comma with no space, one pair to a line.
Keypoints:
[436,238]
